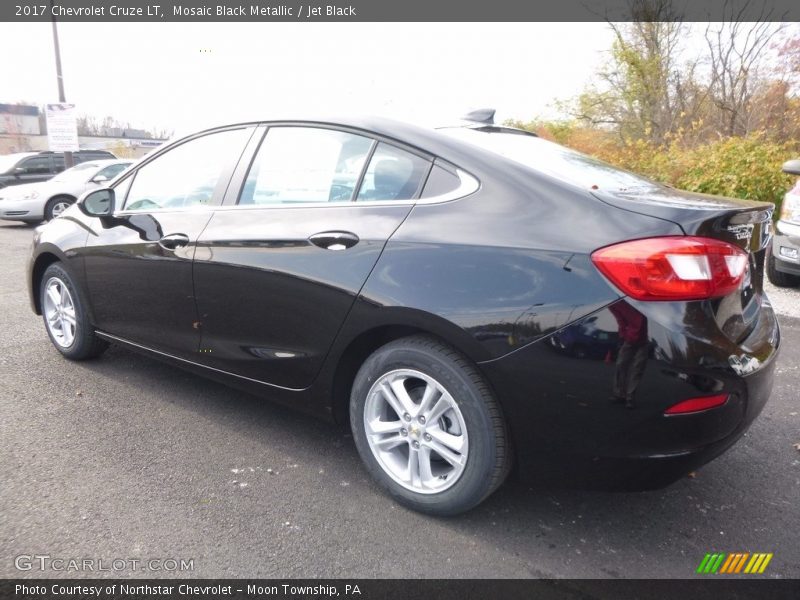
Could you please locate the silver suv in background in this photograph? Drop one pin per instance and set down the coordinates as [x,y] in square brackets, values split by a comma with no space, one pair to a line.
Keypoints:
[32,167]
[783,258]
[35,202]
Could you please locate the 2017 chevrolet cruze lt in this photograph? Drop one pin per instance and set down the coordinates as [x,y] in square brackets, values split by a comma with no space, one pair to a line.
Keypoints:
[467,298]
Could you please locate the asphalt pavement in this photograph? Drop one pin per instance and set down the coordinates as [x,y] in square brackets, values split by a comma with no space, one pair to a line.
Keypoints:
[127,458]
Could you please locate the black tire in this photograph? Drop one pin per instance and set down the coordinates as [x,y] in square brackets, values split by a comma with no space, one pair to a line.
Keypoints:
[488,460]
[779,278]
[53,202]
[85,343]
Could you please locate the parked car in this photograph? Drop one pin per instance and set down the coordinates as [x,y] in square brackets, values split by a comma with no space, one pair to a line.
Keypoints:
[32,167]
[783,256]
[407,280]
[586,340]
[35,202]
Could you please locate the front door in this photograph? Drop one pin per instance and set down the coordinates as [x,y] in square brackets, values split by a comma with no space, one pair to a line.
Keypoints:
[139,261]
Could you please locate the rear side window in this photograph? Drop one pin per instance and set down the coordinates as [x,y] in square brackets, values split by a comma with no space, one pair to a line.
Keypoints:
[297,165]
[37,165]
[440,182]
[393,174]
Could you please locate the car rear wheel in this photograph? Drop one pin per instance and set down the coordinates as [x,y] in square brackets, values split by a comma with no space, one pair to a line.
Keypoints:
[428,427]
[56,206]
[779,278]
[65,316]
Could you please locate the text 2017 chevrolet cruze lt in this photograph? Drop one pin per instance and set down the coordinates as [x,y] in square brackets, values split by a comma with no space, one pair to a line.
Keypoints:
[467,298]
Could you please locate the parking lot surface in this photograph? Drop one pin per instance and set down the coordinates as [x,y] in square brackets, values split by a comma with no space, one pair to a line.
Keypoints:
[125,457]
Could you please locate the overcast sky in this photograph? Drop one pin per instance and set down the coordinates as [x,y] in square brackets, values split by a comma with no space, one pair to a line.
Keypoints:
[155,75]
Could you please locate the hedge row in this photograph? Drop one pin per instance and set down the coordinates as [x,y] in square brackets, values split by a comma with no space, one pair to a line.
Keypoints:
[741,167]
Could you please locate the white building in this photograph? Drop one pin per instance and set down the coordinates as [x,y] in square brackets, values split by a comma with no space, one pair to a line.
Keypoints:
[21,130]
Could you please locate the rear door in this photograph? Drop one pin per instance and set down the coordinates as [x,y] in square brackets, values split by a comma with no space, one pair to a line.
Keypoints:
[139,261]
[278,269]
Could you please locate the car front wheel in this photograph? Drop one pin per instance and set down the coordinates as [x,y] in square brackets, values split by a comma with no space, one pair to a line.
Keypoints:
[56,206]
[65,316]
[427,426]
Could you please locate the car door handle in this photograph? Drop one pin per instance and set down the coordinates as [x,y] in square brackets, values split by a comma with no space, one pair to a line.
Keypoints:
[173,241]
[334,240]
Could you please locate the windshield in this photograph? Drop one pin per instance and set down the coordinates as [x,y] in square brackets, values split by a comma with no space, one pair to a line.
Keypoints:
[79,172]
[553,159]
[9,160]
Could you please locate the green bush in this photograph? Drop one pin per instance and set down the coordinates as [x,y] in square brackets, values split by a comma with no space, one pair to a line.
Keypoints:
[739,167]
[748,167]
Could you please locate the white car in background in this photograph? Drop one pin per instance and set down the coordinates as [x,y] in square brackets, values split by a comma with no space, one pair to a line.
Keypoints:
[43,201]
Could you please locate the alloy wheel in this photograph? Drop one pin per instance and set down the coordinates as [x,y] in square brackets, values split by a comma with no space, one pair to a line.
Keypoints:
[59,310]
[59,207]
[416,431]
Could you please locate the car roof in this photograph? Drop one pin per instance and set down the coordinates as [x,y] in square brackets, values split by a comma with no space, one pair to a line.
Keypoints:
[425,138]
[480,162]
[105,162]
[20,155]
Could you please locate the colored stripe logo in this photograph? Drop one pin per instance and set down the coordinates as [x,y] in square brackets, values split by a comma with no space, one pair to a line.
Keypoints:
[733,563]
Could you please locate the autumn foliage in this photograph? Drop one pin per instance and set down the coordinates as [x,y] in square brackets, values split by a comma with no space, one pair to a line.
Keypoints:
[720,122]
[742,167]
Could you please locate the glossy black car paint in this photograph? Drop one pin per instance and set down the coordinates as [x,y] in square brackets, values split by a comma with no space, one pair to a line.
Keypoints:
[251,301]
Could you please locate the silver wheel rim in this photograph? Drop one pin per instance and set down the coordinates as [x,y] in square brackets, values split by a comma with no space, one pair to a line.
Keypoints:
[59,207]
[416,431]
[59,312]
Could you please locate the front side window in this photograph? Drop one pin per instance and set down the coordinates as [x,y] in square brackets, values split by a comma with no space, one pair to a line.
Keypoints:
[393,174]
[187,175]
[296,165]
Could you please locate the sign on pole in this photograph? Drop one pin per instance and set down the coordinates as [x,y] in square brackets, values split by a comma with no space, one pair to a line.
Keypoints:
[62,130]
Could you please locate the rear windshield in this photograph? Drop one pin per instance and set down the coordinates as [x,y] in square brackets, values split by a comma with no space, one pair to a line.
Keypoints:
[553,159]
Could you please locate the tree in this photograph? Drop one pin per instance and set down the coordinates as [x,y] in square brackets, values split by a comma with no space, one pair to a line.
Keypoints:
[736,50]
[642,92]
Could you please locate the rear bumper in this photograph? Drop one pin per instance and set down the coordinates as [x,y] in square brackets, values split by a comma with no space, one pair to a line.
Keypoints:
[785,243]
[568,430]
[654,471]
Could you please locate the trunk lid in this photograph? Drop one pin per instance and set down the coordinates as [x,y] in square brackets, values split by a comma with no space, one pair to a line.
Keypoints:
[743,223]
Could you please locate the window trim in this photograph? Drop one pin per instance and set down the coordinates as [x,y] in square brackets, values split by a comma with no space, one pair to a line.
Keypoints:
[468,186]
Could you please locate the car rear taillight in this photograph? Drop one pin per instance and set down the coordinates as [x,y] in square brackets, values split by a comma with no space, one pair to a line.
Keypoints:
[694,405]
[673,268]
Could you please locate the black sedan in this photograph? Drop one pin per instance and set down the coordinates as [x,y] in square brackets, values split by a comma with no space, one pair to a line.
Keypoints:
[431,288]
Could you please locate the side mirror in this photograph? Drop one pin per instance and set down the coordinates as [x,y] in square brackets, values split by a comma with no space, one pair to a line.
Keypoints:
[98,203]
[20,170]
[792,167]
[99,179]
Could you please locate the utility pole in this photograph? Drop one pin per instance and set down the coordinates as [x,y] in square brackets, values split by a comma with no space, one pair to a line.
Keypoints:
[68,162]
